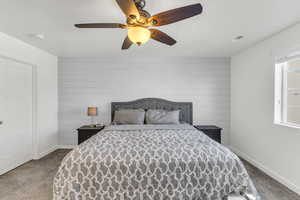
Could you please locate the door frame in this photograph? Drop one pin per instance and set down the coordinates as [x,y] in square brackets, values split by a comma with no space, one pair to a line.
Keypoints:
[34,148]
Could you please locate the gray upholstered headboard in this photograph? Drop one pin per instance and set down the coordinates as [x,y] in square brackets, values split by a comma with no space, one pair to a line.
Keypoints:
[186,108]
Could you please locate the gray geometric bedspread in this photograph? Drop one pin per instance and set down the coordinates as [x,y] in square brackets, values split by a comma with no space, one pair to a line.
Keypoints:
[160,162]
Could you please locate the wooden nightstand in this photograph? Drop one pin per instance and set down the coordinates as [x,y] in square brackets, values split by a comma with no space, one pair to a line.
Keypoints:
[213,132]
[85,132]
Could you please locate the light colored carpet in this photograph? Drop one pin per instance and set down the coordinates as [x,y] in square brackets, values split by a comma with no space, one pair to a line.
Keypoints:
[33,181]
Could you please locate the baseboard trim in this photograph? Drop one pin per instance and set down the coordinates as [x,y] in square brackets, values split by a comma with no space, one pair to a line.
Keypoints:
[42,154]
[66,146]
[54,148]
[266,170]
[14,164]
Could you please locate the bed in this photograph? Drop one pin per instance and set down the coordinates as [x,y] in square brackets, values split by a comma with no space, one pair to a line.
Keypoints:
[155,162]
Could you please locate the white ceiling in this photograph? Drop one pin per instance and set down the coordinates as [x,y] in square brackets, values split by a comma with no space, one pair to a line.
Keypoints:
[207,35]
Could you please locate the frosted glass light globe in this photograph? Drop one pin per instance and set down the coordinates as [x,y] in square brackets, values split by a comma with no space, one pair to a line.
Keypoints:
[139,35]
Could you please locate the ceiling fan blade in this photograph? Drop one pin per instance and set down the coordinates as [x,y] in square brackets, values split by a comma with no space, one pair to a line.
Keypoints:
[100,25]
[127,43]
[175,15]
[162,37]
[129,8]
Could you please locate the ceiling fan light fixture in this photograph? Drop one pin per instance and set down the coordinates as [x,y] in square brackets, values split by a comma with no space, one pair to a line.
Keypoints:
[139,35]
[139,22]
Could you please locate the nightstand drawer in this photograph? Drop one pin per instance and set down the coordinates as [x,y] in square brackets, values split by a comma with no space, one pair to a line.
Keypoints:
[86,132]
[213,132]
[215,136]
[83,135]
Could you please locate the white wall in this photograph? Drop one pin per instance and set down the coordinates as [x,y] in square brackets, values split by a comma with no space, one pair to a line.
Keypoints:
[273,148]
[97,82]
[46,82]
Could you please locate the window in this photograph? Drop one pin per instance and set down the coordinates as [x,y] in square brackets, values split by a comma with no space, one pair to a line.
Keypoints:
[287,91]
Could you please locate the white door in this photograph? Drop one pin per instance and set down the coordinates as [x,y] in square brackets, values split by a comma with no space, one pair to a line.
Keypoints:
[15,114]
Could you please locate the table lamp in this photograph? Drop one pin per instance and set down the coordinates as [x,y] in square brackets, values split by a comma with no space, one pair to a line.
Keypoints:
[92,112]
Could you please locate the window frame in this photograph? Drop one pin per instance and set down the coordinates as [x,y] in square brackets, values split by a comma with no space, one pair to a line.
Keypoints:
[281,91]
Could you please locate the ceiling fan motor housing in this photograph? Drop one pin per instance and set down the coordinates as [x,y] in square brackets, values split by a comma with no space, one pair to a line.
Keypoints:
[143,20]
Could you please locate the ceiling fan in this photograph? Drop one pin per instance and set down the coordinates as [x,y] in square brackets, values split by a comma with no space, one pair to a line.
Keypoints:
[139,22]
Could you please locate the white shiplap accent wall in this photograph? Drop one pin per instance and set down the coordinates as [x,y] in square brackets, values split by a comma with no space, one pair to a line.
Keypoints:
[97,82]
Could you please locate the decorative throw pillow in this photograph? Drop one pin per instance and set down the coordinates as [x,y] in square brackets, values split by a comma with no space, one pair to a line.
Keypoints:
[162,117]
[129,116]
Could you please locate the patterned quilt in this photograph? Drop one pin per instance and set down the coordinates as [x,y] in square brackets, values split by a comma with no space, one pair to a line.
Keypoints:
[150,162]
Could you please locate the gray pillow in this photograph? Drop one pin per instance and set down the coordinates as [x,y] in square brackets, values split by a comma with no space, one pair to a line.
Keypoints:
[129,116]
[162,117]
